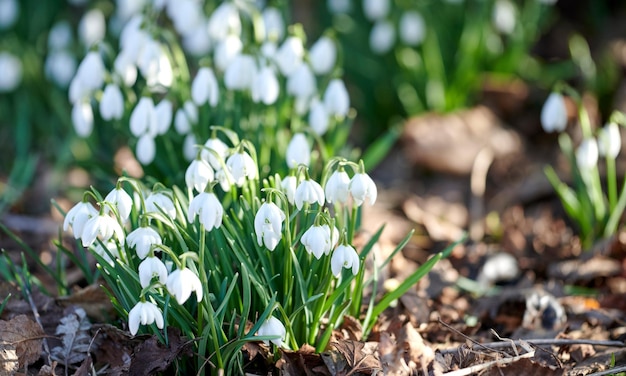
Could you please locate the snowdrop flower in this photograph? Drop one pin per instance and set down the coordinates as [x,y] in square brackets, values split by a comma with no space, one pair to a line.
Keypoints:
[197,42]
[60,36]
[225,178]
[309,191]
[317,240]
[288,186]
[554,113]
[143,119]
[144,313]
[274,24]
[412,28]
[159,201]
[154,65]
[112,103]
[204,88]
[240,73]
[376,9]
[146,149]
[11,68]
[337,187]
[9,12]
[82,118]
[125,9]
[149,268]
[91,71]
[344,256]
[224,21]
[181,282]
[103,226]
[273,327]
[323,55]
[319,120]
[190,149]
[60,67]
[336,98]
[214,151]
[268,225]
[92,27]
[142,239]
[301,83]
[587,154]
[186,15]
[125,68]
[208,208]
[504,16]
[363,188]
[265,87]
[77,216]
[122,202]
[382,37]
[186,117]
[242,167]
[298,151]
[609,141]
[339,6]
[226,50]
[199,174]
[107,250]
[163,112]
[289,55]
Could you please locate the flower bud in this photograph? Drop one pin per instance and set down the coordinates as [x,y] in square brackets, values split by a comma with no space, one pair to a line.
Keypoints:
[143,119]
[554,113]
[587,154]
[112,103]
[323,55]
[609,141]
[298,151]
[240,73]
[11,76]
[376,9]
[382,37]
[289,55]
[412,28]
[204,88]
[336,98]
[265,87]
[301,82]
[92,27]
[82,118]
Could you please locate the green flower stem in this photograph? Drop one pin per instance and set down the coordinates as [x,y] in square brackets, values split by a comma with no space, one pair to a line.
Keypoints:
[611,182]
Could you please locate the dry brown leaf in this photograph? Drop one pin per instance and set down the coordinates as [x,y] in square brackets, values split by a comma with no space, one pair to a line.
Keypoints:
[413,344]
[526,367]
[93,299]
[22,338]
[151,356]
[359,356]
[304,361]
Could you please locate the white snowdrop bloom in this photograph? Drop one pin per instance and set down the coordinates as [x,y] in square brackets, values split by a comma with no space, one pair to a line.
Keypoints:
[323,55]
[274,24]
[144,313]
[412,28]
[382,37]
[288,186]
[190,148]
[319,120]
[298,151]
[146,149]
[376,9]
[92,27]
[214,152]
[609,141]
[125,9]
[504,16]
[208,208]
[273,327]
[107,250]
[158,202]
[225,178]
[9,13]
[204,88]
[101,226]
[77,90]
[199,174]
[149,268]
[186,117]
[77,216]
[60,67]
[265,87]
[268,223]
[154,65]
[336,98]
[133,38]
[309,191]
[363,188]
[91,71]
[268,50]
[181,283]
[226,50]
[125,67]
[554,113]
[82,118]
[344,256]
[240,73]
[11,68]
[122,201]
[163,112]
[289,55]
[60,36]
[587,154]
[339,6]
[242,167]
[143,119]
[317,240]
[301,82]
[224,21]
[112,103]
[338,187]
[186,15]
[197,42]
[142,239]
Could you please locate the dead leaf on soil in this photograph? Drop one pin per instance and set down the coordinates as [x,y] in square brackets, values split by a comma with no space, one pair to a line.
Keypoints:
[93,300]
[359,356]
[304,361]
[405,355]
[151,356]
[20,342]
[526,367]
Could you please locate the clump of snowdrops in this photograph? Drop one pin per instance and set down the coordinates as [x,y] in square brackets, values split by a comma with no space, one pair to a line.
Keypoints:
[595,206]
[230,257]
